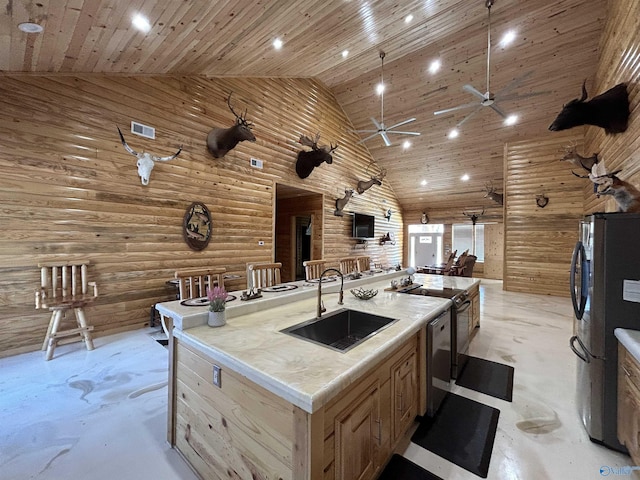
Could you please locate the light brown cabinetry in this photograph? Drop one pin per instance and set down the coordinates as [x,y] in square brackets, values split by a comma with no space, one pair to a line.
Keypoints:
[241,427]
[474,297]
[629,403]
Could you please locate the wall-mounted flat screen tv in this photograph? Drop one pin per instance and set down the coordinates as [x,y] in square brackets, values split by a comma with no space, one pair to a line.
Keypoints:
[363,226]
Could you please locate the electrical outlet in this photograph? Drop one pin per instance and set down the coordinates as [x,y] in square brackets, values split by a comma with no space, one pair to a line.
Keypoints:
[255,163]
[217,376]
[261,243]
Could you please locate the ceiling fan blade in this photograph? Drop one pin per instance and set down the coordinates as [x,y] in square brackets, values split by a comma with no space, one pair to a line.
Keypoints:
[387,142]
[521,96]
[459,107]
[368,138]
[403,133]
[515,83]
[365,131]
[378,125]
[495,108]
[469,116]
[409,120]
[473,91]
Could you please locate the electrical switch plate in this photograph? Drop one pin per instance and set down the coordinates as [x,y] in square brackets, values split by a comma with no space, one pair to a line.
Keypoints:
[217,376]
[256,163]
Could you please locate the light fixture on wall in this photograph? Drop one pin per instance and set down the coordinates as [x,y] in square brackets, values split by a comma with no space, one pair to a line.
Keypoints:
[308,231]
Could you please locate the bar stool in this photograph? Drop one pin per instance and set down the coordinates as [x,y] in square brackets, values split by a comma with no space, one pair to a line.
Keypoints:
[64,286]
[313,268]
[264,275]
[193,283]
[349,265]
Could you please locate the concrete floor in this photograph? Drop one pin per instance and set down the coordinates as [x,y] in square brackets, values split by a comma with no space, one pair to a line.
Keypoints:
[102,414]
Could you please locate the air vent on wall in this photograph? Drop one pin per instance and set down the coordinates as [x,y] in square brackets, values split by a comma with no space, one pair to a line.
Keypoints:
[143,130]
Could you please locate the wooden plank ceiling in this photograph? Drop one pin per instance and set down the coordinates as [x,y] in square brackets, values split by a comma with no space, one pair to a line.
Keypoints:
[556,47]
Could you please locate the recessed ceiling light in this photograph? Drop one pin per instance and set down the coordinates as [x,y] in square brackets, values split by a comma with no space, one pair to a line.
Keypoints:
[380,88]
[434,66]
[464,177]
[511,120]
[507,38]
[277,44]
[406,144]
[408,18]
[423,182]
[454,133]
[28,27]
[345,53]
[141,23]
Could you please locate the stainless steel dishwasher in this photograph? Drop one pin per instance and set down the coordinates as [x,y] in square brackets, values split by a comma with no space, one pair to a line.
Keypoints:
[438,360]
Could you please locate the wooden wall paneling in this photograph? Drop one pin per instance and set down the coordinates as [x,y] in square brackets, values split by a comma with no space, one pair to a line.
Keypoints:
[538,242]
[493,251]
[69,189]
[618,63]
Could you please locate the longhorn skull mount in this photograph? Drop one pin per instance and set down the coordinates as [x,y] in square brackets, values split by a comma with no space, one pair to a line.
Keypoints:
[146,161]
[473,216]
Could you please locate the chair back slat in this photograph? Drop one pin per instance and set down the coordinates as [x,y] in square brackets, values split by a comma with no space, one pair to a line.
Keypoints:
[364,263]
[263,275]
[63,282]
[349,265]
[314,268]
[193,283]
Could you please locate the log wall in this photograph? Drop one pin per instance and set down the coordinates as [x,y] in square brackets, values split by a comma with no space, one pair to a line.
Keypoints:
[619,63]
[69,189]
[539,241]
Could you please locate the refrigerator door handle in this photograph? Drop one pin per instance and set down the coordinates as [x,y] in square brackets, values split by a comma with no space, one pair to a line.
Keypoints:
[578,258]
[583,356]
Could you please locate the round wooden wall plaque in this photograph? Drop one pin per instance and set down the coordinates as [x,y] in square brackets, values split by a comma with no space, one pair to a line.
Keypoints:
[197,226]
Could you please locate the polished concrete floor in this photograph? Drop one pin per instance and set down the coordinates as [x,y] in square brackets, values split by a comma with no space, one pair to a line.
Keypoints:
[102,414]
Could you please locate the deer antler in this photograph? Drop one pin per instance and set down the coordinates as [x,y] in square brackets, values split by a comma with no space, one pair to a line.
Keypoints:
[307,142]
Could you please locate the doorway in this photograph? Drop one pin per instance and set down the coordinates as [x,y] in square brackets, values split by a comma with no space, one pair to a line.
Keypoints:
[298,229]
[425,245]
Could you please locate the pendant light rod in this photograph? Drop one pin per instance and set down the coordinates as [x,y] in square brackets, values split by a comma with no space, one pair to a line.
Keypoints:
[489,4]
[382,54]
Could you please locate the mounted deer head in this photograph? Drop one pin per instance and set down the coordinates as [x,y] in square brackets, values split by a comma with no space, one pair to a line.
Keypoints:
[308,160]
[574,158]
[375,180]
[609,110]
[492,194]
[221,140]
[342,202]
[146,161]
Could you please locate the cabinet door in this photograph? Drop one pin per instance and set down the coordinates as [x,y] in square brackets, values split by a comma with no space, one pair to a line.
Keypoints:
[357,436]
[475,310]
[629,410]
[404,402]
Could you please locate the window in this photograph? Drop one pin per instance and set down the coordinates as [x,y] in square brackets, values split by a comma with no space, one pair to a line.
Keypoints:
[463,237]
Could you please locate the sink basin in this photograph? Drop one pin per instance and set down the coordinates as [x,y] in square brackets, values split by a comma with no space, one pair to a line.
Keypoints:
[340,330]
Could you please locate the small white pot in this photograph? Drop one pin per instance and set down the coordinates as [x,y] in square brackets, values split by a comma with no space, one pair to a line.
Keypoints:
[217,319]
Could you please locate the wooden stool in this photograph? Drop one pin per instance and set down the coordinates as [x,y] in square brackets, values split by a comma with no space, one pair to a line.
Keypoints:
[313,268]
[264,274]
[63,287]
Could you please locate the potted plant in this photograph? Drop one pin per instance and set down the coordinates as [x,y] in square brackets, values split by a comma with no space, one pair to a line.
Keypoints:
[217,297]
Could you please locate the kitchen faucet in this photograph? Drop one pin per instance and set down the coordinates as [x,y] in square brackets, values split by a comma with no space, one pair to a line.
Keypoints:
[320,304]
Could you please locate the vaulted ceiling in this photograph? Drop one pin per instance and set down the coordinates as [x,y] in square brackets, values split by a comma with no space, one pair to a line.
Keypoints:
[556,47]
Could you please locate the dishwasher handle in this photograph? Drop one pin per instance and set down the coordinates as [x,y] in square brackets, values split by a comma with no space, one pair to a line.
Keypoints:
[434,323]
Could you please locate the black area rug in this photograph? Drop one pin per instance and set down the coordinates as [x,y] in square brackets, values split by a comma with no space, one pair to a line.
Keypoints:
[491,378]
[462,431]
[399,468]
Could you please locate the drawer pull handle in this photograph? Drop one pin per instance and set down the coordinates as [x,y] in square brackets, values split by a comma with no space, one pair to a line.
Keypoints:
[379,437]
[400,402]
[626,372]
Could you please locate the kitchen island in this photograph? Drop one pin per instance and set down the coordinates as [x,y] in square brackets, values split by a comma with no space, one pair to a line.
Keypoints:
[278,407]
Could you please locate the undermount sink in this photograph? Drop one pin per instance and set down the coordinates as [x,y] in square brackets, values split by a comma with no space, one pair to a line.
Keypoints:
[340,330]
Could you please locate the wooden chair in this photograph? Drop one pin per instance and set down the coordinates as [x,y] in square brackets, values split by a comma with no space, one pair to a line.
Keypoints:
[458,266]
[314,268]
[445,268]
[364,264]
[64,286]
[349,265]
[264,274]
[193,283]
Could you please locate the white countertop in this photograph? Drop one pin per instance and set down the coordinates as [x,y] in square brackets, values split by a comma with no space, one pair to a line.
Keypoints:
[301,372]
[630,339]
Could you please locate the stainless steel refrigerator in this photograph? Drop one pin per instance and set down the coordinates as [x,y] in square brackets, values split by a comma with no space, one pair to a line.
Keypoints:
[605,280]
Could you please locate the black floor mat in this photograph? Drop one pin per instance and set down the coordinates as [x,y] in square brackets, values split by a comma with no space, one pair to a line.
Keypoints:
[491,378]
[399,468]
[462,431]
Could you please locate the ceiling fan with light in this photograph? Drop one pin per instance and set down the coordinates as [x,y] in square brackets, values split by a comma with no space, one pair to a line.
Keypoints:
[381,129]
[489,99]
